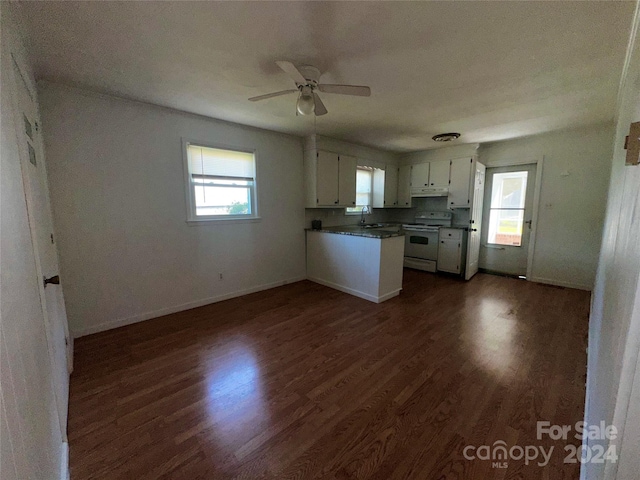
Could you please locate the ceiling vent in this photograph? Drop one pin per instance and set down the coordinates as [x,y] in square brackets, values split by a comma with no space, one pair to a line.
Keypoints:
[446,137]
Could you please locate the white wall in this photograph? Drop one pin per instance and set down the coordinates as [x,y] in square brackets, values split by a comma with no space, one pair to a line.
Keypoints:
[573,198]
[614,326]
[118,196]
[31,443]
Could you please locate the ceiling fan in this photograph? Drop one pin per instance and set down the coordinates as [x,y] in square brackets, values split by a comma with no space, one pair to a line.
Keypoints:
[307,82]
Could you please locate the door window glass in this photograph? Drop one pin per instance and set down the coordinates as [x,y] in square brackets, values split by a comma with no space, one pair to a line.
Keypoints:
[506,214]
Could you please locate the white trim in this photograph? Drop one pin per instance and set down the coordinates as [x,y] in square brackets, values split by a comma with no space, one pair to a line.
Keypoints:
[192,218]
[120,322]
[560,283]
[534,217]
[231,219]
[356,293]
[65,473]
[511,163]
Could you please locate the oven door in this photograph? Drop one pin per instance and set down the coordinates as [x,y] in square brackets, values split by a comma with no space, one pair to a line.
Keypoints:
[421,244]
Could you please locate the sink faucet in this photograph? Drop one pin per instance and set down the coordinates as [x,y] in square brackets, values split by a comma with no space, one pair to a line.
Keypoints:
[364,209]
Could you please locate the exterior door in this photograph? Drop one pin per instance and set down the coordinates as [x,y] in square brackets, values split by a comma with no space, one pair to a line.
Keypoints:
[475,223]
[507,219]
[34,176]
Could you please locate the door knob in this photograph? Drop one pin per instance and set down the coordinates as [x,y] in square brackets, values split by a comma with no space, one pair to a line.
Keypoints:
[528,222]
[55,280]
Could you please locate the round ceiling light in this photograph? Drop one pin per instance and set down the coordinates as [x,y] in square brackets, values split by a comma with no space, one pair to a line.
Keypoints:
[446,137]
[306,104]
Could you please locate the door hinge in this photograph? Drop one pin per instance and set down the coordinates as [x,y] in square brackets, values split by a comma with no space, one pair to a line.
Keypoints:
[66,341]
[37,126]
[52,239]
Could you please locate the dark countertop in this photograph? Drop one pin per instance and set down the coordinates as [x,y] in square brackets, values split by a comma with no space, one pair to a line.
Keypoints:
[358,231]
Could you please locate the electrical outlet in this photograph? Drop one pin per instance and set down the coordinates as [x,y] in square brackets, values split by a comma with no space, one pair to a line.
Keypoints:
[220,275]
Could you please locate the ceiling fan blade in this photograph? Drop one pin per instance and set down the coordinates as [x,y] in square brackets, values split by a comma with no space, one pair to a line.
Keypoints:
[292,71]
[359,90]
[270,95]
[320,108]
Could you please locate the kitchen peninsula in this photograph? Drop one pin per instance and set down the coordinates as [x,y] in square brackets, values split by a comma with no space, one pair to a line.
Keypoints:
[365,261]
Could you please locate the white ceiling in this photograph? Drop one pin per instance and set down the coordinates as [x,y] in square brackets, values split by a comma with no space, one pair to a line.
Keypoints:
[490,70]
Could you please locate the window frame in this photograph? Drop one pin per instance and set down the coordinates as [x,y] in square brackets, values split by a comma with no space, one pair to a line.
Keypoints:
[370,206]
[192,218]
[522,209]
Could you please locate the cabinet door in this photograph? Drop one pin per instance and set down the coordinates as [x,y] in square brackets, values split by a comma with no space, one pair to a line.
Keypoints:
[378,188]
[420,175]
[404,186]
[327,179]
[449,256]
[347,181]
[439,174]
[391,186]
[459,182]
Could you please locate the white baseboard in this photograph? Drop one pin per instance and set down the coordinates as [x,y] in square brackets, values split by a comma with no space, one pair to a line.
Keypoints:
[356,293]
[179,308]
[65,474]
[561,283]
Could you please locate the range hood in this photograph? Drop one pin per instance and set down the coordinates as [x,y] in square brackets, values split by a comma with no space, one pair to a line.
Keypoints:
[429,192]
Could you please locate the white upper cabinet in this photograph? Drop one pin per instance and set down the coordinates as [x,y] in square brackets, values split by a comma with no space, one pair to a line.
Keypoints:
[420,175]
[404,186]
[330,179]
[460,182]
[347,167]
[439,174]
[327,173]
[391,186]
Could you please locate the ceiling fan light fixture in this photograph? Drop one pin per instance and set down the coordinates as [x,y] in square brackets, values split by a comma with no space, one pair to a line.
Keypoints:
[306,104]
[446,137]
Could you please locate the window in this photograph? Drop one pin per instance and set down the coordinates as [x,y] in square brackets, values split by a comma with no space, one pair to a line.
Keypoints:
[506,213]
[221,183]
[364,189]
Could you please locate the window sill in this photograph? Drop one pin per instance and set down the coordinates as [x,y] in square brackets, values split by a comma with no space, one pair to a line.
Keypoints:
[205,221]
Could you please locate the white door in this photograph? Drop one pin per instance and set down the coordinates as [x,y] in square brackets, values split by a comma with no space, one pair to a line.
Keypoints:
[34,176]
[507,219]
[347,167]
[449,256]
[391,186]
[439,174]
[475,222]
[327,179]
[420,175]
[460,182]
[404,186]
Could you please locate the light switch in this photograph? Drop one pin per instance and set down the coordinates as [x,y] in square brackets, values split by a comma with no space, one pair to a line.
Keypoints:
[633,145]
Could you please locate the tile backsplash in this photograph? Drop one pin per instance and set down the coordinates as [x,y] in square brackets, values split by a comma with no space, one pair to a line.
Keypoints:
[332,217]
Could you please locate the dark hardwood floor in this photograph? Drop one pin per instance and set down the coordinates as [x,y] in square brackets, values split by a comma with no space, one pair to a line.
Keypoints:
[302,381]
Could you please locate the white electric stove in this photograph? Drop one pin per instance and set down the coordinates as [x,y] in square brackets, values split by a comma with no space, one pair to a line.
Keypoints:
[421,239]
